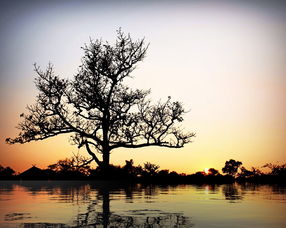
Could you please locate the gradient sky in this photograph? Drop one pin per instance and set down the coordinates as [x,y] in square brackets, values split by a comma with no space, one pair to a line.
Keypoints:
[225,60]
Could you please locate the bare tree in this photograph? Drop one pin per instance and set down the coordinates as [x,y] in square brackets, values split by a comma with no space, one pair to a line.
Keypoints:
[97,109]
[150,168]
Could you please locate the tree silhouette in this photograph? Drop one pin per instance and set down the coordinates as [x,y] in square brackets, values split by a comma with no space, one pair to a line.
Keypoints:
[231,167]
[150,169]
[213,172]
[276,169]
[6,172]
[73,165]
[101,112]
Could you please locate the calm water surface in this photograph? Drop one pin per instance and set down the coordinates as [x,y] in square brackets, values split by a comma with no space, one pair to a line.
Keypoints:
[99,204]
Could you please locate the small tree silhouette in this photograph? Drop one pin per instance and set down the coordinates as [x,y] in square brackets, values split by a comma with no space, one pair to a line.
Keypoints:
[100,111]
[6,172]
[213,172]
[231,167]
[150,169]
[69,165]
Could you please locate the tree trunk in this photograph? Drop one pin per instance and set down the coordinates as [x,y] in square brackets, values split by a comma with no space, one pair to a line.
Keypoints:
[105,146]
[105,161]
[105,208]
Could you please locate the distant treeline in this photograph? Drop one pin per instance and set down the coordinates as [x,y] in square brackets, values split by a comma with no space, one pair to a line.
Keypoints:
[71,169]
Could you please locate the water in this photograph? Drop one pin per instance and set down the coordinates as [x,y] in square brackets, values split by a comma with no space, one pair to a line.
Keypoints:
[103,204]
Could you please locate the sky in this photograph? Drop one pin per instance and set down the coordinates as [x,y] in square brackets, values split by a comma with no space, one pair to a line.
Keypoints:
[225,60]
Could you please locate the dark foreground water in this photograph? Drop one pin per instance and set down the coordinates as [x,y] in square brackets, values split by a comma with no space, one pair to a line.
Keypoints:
[99,204]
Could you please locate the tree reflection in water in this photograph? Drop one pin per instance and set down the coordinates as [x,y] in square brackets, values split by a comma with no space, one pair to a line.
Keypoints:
[109,205]
[232,193]
[94,195]
[135,218]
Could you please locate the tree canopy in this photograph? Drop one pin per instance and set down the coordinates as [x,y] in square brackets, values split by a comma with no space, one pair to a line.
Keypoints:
[99,111]
[231,167]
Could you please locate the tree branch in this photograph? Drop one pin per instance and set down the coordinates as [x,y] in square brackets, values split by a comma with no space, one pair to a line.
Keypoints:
[94,157]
